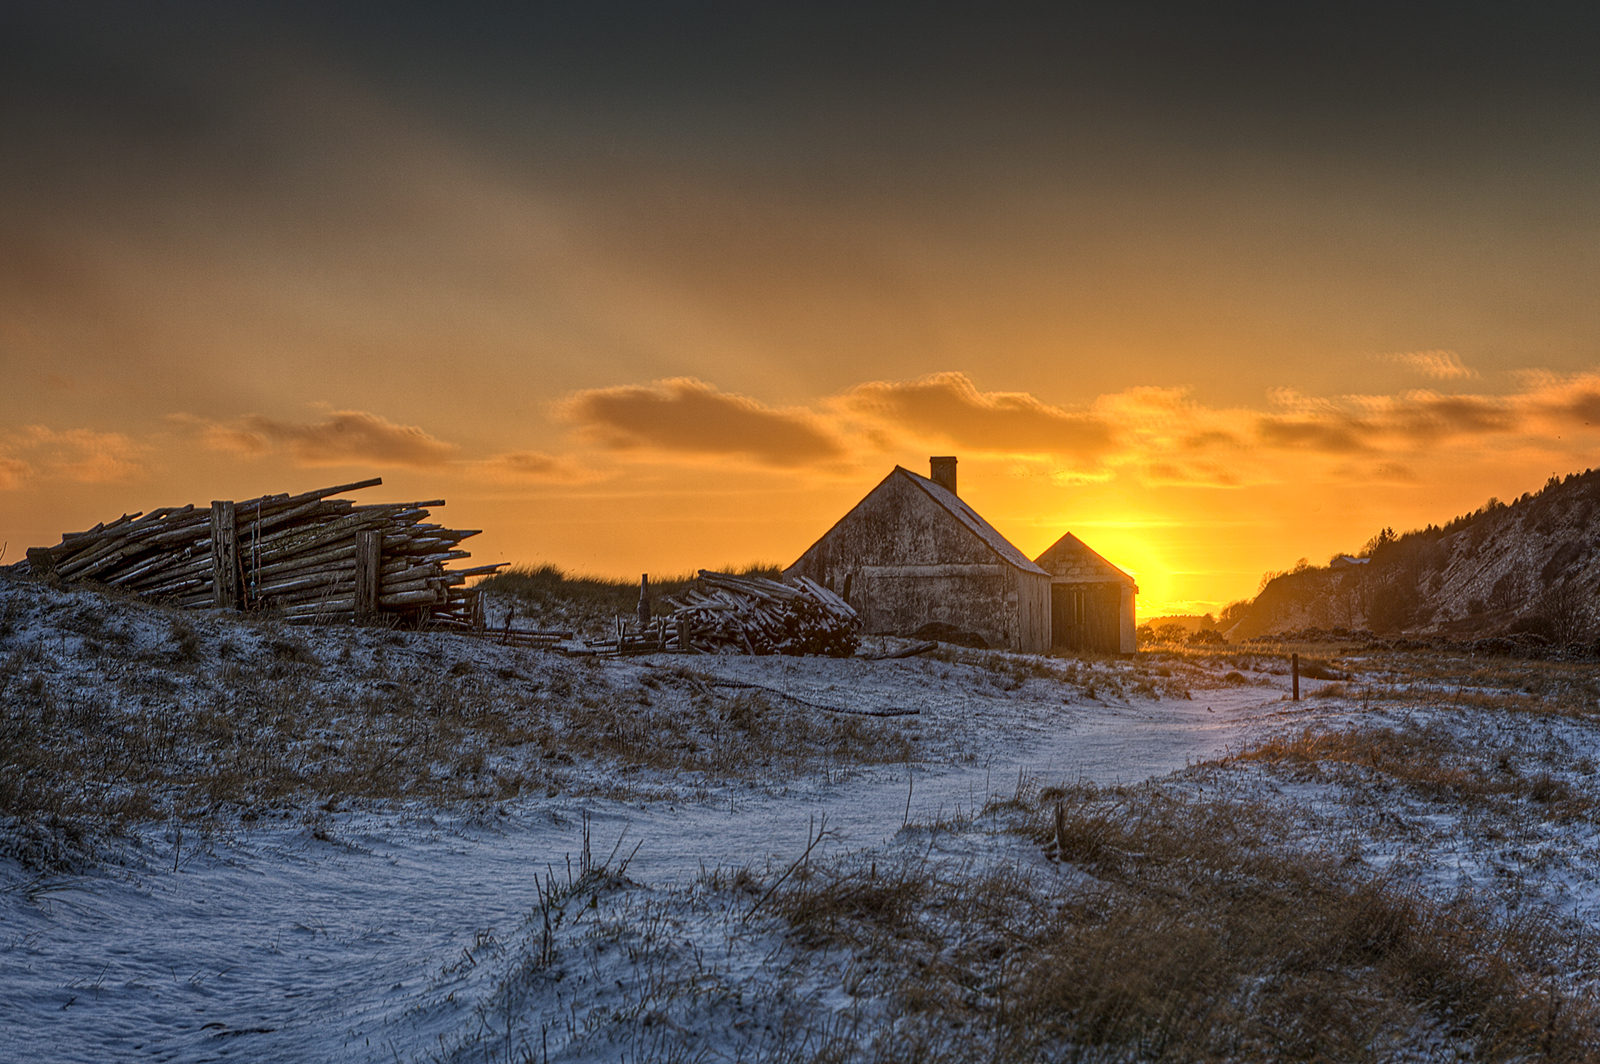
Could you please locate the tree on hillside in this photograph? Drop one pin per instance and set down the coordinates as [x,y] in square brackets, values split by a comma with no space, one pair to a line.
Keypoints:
[1566,613]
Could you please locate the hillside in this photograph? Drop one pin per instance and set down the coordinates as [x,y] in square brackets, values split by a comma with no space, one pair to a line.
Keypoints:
[1531,566]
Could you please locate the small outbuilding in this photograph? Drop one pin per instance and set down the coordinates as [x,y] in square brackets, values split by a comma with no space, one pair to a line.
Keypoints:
[1091,600]
[913,554]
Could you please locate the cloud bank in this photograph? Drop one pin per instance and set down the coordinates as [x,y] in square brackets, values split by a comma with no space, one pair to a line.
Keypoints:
[948,406]
[684,416]
[1164,435]
[347,437]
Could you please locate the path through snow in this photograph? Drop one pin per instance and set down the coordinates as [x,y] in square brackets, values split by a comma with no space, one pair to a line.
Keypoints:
[291,942]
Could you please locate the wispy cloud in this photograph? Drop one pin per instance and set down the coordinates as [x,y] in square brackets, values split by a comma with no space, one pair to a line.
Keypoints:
[534,467]
[80,455]
[684,416]
[13,473]
[1439,365]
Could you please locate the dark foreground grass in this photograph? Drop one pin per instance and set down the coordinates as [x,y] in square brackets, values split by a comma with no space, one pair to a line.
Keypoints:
[1180,930]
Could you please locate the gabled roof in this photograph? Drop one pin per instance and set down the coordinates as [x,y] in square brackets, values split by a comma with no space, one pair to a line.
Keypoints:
[973,522]
[1069,542]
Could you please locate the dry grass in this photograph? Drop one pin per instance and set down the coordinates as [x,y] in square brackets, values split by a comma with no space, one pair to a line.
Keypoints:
[142,713]
[549,597]
[1568,689]
[1187,933]
[1428,760]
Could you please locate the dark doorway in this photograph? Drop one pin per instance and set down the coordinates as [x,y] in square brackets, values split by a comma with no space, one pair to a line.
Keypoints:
[1083,617]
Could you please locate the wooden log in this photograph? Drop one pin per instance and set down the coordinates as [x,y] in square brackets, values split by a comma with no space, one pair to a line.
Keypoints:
[75,539]
[117,549]
[340,606]
[193,570]
[103,555]
[480,570]
[289,542]
[157,568]
[313,592]
[226,586]
[310,496]
[295,584]
[420,583]
[411,598]
[369,566]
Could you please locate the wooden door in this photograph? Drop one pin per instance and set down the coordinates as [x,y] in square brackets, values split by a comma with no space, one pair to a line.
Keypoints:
[1083,617]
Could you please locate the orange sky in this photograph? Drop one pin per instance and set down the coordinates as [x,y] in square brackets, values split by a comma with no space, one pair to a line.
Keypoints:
[640,297]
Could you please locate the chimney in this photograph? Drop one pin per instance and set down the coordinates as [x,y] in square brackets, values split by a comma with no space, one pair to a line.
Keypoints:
[942,471]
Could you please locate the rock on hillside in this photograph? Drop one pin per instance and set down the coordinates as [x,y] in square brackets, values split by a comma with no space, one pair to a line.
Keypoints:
[1532,565]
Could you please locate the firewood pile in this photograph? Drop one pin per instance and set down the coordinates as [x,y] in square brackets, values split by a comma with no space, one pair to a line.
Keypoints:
[310,558]
[759,616]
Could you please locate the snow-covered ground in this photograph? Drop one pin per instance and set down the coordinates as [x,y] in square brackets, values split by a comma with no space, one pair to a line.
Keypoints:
[599,923]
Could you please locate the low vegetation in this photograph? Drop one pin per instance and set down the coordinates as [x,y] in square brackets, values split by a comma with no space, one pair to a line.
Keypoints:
[548,596]
[121,712]
[1077,923]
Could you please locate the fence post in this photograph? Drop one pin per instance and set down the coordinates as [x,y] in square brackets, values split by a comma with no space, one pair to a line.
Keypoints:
[1294,670]
[368,567]
[225,586]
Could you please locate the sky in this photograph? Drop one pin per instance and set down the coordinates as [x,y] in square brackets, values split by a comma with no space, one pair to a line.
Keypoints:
[650,288]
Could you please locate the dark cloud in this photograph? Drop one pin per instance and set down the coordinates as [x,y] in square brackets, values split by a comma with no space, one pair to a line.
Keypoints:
[1331,434]
[947,406]
[1204,441]
[1418,417]
[1578,404]
[347,437]
[1191,474]
[533,466]
[1396,473]
[1426,417]
[1198,58]
[686,416]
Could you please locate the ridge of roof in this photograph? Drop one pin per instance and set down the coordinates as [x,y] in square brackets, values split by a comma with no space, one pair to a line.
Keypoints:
[974,522]
[1097,555]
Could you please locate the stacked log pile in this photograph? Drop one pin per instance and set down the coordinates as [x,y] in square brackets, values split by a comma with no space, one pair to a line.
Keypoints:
[309,557]
[760,616]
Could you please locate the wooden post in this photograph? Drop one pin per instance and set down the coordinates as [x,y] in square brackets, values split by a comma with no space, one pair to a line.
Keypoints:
[644,603]
[225,586]
[369,565]
[683,635]
[1294,671]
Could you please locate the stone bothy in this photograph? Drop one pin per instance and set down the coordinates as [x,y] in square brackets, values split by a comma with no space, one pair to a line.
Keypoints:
[912,554]
[1091,600]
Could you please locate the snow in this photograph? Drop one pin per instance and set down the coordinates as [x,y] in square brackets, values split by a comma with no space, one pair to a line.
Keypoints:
[415,930]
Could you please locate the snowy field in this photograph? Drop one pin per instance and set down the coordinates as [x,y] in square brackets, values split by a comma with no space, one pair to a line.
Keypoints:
[775,859]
